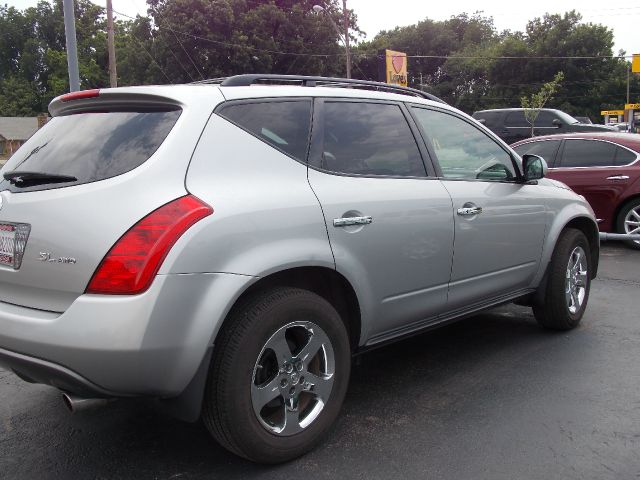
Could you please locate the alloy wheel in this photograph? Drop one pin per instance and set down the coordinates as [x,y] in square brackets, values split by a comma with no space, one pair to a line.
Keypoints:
[576,280]
[292,378]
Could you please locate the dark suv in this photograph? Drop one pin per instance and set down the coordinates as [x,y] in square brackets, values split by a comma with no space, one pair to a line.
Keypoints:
[511,125]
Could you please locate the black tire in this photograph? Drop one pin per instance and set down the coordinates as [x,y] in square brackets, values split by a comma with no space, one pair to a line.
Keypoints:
[228,409]
[553,310]
[626,208]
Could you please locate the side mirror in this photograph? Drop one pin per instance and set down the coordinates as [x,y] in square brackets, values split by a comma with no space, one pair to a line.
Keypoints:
[534,167]
[556,123]
[482,120]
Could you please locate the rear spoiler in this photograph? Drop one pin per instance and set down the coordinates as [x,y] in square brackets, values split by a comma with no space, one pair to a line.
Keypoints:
[110,100]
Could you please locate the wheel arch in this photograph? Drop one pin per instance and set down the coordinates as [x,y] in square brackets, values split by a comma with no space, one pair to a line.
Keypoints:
[323,281]
[620,206]
[590,230]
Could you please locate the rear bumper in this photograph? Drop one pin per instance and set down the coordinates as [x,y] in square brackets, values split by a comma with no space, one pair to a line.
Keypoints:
[148,344]
[35,370]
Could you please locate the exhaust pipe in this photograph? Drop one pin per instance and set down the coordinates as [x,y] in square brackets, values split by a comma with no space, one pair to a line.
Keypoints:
[78,404]
[618,236]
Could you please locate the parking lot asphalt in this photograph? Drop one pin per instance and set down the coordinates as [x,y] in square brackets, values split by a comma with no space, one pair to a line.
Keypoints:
[490,397]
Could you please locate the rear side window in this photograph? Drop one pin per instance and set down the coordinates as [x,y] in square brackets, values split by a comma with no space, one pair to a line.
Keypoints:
[587,153]
[368,139]
[546,149]
[624,156]
[91,146]
[282,124]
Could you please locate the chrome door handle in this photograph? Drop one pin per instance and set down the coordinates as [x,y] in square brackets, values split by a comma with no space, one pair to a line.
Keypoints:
[346,221]
[469,210]
[618,177]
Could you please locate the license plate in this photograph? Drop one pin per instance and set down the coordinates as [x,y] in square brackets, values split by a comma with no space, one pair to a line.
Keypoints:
[7,244]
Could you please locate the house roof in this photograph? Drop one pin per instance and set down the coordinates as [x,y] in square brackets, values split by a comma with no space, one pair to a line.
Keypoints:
[18,128]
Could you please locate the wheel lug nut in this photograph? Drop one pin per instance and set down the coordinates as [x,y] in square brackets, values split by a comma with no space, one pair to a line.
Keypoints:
[284,382]
[288,368]
[292,390]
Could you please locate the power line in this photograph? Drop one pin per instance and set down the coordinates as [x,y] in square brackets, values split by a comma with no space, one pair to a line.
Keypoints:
[151,57]
[366,55]
[183,49]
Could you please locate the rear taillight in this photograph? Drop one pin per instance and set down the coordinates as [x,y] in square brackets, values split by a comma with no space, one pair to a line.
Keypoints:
[134,260]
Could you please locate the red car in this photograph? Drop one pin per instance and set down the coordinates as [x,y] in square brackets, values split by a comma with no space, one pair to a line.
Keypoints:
[604,167]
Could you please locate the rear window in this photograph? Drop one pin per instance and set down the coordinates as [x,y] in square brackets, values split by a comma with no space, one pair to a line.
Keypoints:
[90,146]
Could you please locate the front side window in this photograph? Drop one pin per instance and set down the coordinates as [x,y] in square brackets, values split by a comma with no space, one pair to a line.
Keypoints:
[282,124]
[464,152]
[545,119]
[546,149]
[587,153]
[516,119]
[368,139]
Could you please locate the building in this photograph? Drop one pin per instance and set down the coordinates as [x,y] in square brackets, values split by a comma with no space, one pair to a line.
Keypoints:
[14,131]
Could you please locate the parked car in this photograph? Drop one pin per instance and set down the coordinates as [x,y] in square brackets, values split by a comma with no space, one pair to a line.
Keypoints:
[226,247]
[621,127]
[603,167]
[511,125]
[584,120]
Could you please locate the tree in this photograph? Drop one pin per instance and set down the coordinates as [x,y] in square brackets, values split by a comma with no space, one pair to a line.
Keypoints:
[536,102]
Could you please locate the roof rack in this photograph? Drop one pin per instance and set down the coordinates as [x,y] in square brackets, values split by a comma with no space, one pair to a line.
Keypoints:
[308,81]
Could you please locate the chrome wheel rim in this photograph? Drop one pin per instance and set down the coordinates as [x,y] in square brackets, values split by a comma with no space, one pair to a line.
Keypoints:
[292,378]
[576,280]
[632,222]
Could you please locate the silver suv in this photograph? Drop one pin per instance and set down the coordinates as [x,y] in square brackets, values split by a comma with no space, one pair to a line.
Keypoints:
[226,247]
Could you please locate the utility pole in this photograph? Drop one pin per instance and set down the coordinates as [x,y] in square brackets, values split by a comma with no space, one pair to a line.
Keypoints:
[345,13]
[113,75]
[72,48]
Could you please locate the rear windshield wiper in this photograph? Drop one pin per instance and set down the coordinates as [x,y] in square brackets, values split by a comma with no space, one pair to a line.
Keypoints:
[28,179]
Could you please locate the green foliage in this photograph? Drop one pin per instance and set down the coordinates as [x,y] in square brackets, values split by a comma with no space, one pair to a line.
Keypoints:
[187,40]
[473,77]
[536,102]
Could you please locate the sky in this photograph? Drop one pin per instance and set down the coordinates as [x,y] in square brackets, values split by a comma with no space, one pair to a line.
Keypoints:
[375,15]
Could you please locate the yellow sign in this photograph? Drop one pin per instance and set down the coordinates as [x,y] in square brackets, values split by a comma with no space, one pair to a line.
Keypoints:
[635,63]
[632,106]
[612,112]
[396,67]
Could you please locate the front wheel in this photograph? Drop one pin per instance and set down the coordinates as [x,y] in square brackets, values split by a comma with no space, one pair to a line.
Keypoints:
[278,377]
[566,292]
[628,221]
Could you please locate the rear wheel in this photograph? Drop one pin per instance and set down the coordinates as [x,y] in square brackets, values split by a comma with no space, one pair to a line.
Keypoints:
[628,221]
[278,377]
[566,292]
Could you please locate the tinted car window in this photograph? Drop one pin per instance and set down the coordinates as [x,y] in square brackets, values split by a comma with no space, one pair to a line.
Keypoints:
[491,119]
[587,153]
[463,151]
[546,149]
[369,139]
[282,124]
[624,156]
[516,119]
[91,146]
[544,119]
